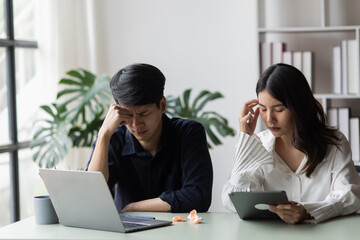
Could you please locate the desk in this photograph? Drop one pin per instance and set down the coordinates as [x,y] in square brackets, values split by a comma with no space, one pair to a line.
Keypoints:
[219,226]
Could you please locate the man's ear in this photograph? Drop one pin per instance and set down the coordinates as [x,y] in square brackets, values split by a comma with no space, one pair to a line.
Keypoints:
[163,104]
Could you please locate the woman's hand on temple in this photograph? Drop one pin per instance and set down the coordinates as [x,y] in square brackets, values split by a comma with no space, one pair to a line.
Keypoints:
[248,117]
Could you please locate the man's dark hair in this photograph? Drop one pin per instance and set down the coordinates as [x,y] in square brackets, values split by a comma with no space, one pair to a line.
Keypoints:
[138,84]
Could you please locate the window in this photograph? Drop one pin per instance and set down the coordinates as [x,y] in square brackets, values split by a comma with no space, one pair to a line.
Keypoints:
[4,189]
[18,54]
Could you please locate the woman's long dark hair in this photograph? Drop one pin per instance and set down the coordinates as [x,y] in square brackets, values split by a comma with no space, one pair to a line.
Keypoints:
[311,135]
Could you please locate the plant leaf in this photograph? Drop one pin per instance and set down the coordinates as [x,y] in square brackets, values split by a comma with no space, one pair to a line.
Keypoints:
[201,94]
[91,92]
[75,74]
[212,121]
[51,141]
[65,91]
[48,110]
[210,97]
[186,97]
[68,81]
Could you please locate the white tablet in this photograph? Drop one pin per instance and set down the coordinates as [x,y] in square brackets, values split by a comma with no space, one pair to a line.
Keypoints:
[255,205]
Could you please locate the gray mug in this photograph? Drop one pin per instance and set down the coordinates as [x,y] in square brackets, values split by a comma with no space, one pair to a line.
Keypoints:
[44,210]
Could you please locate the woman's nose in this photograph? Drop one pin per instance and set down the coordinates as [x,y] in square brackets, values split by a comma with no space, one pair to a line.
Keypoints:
[270,117]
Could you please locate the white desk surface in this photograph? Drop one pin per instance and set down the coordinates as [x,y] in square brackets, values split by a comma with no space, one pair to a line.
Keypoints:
[219,226]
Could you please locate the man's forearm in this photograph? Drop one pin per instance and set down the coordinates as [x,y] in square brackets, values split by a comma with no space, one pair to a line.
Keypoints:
[99,159]
[149,205]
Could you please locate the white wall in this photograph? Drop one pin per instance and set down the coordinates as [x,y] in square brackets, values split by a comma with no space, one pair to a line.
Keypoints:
[199,44]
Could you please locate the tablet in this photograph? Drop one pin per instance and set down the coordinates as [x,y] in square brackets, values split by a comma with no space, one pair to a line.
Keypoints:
[255,205]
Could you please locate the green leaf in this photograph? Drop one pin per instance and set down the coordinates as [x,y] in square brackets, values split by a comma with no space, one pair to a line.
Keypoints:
[75,74]
[48,110]
[51,132]
[38,132]
[65,91]
[87,96]
[202,94]
[89,76]
[85,136]
[36,154]
[221,127]
[68,81]
[212,121]
[214,139]
[186,97]
[210,97]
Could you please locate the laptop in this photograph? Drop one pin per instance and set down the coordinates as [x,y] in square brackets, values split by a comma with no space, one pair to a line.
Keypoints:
[255,205]
[83,199]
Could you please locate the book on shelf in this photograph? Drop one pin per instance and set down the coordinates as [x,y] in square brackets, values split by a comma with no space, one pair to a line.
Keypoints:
[307,66]
[344,67]
[355,139]
[350,126]
[336,70]
[353,67]
[297,60]
[277,52]
[304,61]
[288,58]
[344,121]
[332,117]
[266,55]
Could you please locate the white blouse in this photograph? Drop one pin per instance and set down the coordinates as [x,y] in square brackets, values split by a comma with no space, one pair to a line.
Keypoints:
[333,188]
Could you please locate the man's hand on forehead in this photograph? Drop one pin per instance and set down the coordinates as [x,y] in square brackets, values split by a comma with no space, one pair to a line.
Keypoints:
[122,110]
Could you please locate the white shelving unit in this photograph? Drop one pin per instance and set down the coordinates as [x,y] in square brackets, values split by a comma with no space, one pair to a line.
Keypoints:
[316,26]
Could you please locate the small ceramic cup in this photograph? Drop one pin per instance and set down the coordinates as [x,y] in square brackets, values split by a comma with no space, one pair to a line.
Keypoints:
[44,210]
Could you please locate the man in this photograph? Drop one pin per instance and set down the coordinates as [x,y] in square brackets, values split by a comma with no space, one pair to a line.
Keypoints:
[151,162]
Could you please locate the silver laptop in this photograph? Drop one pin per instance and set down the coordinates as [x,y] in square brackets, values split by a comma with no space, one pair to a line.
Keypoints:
[83,199]
[254,205]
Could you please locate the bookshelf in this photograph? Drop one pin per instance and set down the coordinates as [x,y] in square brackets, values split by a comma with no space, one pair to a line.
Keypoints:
[316,26]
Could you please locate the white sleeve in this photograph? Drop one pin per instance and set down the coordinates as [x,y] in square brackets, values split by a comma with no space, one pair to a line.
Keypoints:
[344,197]
[245,176]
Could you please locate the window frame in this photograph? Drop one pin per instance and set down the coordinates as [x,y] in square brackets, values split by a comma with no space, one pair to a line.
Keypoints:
[10,44]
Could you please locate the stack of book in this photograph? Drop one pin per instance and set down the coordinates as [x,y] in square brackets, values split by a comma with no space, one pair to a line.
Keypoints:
[340,118]
[275,52]
[345,68]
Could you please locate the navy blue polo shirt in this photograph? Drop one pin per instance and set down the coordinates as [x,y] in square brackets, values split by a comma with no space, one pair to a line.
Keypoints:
[180,172]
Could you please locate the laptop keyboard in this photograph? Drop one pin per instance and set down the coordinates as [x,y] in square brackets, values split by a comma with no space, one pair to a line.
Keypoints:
[131,225]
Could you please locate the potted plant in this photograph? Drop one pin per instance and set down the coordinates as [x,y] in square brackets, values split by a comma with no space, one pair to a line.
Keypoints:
[211,120]
[74,119]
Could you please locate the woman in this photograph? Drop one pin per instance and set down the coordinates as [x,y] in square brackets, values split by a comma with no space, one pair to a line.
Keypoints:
[298,153]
